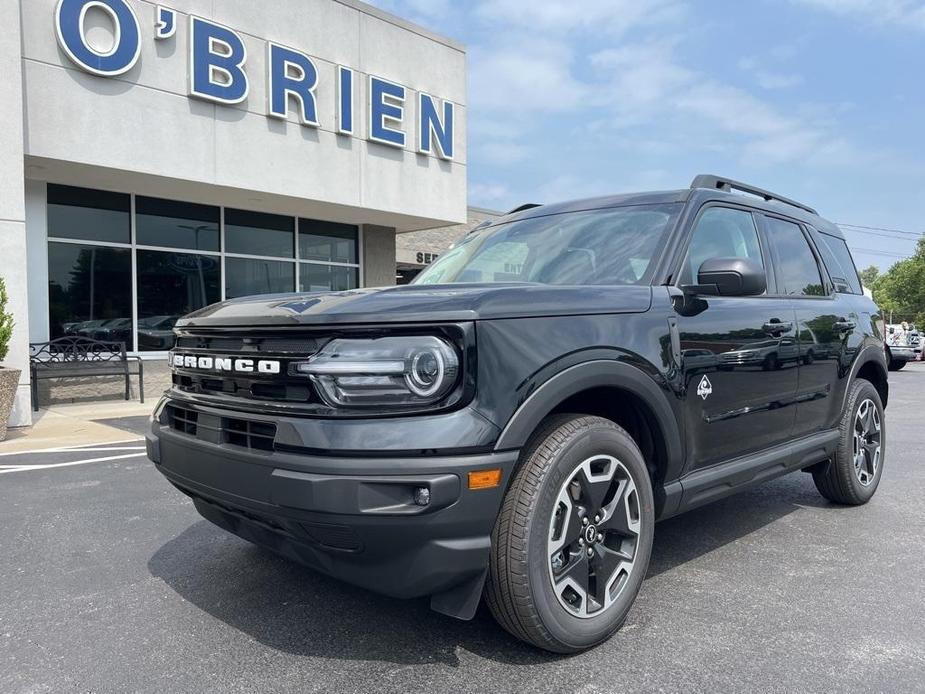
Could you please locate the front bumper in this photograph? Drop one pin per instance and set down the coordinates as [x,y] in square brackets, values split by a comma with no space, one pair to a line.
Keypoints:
[349,516]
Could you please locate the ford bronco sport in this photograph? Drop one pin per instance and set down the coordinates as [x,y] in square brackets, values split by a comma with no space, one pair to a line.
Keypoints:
[514,422]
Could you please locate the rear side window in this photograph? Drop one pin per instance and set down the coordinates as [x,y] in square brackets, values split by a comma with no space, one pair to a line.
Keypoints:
[837,259]
[797,271]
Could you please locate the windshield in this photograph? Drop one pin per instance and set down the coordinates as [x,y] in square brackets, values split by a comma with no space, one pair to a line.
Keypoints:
[593,247]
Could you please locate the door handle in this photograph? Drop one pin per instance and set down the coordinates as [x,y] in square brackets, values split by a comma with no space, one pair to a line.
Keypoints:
[776,327]
[843,326]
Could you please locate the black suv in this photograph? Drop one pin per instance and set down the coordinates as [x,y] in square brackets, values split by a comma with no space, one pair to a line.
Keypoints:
[514,422]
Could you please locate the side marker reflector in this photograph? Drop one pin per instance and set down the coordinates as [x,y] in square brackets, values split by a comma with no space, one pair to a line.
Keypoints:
[484,479]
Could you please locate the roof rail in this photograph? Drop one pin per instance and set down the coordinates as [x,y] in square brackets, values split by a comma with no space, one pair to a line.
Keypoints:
[728,185]
[525,206]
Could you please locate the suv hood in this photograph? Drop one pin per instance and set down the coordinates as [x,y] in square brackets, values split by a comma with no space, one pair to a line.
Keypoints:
[421,304]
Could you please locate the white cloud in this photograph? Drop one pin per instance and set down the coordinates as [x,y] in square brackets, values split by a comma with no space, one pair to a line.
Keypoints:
[557,17]
[777,80]
[910,13]
[488,193]
[524,74]
[772,78]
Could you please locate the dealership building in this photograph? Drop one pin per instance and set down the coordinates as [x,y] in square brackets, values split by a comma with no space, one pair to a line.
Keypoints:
[155,158]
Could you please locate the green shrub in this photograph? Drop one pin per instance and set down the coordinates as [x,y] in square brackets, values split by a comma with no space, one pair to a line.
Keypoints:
[6,322]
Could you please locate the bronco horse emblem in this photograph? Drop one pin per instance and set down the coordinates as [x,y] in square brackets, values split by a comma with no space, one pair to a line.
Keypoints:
[705,389]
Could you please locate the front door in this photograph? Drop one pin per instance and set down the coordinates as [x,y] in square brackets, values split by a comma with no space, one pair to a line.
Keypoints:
[739,355]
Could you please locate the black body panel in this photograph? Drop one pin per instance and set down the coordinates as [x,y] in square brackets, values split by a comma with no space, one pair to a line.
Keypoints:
[733,390]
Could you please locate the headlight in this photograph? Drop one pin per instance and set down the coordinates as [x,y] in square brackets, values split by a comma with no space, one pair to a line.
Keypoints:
[401,371]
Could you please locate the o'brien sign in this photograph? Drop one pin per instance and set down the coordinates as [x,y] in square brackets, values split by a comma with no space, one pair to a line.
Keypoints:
[217,62]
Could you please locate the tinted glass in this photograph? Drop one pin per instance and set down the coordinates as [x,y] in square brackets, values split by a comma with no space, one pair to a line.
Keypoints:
[841,267]
[245,276]
[171,285]
[321,278]
[594,247]
[89,215]
[721,232]
[327,241]
[797,271]
[176,224]
[256,233]
[90,292]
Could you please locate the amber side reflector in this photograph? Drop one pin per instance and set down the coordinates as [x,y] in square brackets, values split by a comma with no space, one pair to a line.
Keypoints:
[484,479]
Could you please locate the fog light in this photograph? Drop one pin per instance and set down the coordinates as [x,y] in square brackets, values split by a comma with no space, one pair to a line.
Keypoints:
[422,496]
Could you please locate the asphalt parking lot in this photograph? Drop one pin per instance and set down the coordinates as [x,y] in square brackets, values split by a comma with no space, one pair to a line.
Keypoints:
[110,582]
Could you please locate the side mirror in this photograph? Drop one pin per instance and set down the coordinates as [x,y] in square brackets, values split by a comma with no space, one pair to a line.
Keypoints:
[730,277]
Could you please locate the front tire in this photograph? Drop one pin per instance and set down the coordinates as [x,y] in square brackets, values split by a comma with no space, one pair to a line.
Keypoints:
[853,474]
[896,365]
[573,540]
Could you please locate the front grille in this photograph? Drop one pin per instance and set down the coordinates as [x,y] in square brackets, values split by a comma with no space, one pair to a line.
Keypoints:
[252,344]
[235,431]
[246,386]
[285,389]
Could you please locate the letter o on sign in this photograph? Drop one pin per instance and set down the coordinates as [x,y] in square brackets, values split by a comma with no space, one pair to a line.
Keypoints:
[70,20]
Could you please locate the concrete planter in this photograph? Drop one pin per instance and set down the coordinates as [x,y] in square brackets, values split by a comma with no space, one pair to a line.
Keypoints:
[9,381]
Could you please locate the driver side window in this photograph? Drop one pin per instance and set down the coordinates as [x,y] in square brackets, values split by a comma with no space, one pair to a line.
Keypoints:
[721,232]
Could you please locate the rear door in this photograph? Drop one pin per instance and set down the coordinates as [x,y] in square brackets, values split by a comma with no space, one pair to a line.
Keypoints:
[825,320]
[738,354]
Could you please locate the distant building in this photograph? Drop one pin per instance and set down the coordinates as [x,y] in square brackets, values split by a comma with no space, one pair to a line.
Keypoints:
[415,250]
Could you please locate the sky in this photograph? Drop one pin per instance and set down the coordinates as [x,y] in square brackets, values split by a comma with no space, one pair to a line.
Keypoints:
[819,100]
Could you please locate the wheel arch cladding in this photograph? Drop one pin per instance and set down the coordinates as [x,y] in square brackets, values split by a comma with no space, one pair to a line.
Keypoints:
[617,391]
[871,366]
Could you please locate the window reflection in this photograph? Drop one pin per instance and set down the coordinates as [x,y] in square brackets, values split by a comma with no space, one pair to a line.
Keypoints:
[171,285]
[90,292]
[247,276]
[176,224]
[256,233]
[327,241]
[322,278]
[88,215]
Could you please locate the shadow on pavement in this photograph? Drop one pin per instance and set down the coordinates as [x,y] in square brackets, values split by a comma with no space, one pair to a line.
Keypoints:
[293,609]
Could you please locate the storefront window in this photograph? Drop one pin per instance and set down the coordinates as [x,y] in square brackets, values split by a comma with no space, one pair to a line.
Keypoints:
[320,278]
[89,215]
[170,285]
[90,292]
[176,224]
[256,233]
[184,259]
[246,276]
[327,241]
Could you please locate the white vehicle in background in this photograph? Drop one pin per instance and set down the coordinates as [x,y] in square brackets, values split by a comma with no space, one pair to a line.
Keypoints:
[901,342]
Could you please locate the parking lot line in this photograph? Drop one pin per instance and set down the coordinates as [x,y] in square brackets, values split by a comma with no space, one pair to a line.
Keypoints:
[27,468]
[82,447]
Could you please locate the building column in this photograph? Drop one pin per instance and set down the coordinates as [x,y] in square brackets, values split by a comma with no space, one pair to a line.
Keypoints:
[378,256]
[12,204]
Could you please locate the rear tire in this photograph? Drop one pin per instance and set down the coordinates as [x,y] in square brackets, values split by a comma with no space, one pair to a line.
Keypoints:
[854,473]
[572,543]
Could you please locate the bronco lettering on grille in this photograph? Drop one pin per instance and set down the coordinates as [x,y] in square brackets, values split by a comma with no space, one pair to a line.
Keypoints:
[219,364]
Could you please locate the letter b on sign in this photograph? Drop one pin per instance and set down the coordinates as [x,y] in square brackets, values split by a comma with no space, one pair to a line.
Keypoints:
[71,27]
[216,63]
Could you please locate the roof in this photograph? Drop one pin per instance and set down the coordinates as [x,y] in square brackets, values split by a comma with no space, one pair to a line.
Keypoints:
[775,206]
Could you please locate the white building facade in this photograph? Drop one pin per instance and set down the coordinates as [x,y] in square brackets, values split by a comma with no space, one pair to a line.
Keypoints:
[155,158]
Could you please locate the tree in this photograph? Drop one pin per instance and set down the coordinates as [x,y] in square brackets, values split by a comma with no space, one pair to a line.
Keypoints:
[901,289]
[6,322]
[869,276]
